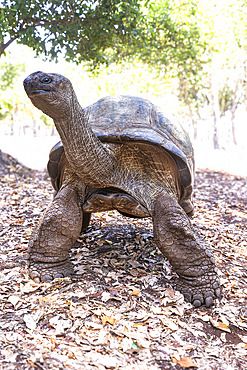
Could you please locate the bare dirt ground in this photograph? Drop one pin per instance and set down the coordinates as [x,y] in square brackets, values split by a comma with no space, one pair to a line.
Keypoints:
[119,310]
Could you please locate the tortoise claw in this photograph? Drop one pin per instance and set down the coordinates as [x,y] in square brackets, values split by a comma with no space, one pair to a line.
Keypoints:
[209,302]
[197,293]
[46,272]
[36,279]
[197,303]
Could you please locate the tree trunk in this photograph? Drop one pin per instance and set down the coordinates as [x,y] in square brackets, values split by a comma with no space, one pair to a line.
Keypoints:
[12,125]
[215,111]
[52,130]
[215,135]
[234,138]
[233,113]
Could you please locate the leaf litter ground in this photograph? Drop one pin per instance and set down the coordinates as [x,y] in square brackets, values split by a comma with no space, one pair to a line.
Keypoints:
[119,310]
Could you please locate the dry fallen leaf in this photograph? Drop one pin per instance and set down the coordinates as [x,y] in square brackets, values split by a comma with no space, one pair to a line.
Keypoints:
[29,287]
[219,325]
[106,319]
[169,323]
[105,296]
[31,363]
[92,325]
[135,292]
[60,324]
[31,320]
[109,361]
[44,299]
[53,340]
[185,362]
[242,345]
[14,299]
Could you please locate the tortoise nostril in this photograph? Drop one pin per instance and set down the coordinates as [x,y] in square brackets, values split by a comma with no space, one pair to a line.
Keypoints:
[26,81]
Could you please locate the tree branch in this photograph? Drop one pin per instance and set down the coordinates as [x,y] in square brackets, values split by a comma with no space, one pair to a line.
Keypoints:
[4,46]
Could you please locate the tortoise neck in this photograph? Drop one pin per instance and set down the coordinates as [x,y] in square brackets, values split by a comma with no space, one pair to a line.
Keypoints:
[90,159]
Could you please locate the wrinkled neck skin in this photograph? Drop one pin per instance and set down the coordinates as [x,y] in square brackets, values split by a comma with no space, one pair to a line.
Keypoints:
[90,159]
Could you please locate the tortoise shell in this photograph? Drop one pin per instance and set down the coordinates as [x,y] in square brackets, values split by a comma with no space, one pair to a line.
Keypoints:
[117,119]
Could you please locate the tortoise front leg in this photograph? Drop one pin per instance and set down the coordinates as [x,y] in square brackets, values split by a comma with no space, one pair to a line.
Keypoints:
[188,254]
[58,230]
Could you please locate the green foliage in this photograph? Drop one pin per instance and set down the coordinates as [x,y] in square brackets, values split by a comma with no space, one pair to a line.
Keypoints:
[230,96]
[9,73]
[5,108]
[47,121]
[163,33]
[83,30]
[171,39]
[173,44]
[225,98]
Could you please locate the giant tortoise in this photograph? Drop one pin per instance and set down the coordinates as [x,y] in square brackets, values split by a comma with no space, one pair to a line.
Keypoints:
[119,153]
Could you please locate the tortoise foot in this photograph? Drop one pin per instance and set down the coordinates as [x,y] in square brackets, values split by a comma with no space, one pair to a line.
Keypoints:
[201,290]
[39,271]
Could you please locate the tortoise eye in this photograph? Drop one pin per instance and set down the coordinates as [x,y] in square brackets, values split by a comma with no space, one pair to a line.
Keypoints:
[46,80]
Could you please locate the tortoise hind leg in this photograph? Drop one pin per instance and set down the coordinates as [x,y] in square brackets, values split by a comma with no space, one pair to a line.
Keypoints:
[58,229]
[86,221]
[175,237]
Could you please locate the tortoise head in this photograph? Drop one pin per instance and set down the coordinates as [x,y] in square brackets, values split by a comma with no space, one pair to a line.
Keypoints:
[50,92]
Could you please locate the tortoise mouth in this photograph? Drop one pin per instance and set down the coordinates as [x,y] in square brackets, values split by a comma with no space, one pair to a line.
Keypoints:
[35,92]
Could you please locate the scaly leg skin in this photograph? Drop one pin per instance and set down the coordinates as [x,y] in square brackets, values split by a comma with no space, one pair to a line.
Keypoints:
[58,230]
[188,254]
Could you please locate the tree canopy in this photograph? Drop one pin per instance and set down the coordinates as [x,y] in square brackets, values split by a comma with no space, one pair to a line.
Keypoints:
[81,29]
[101,31]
